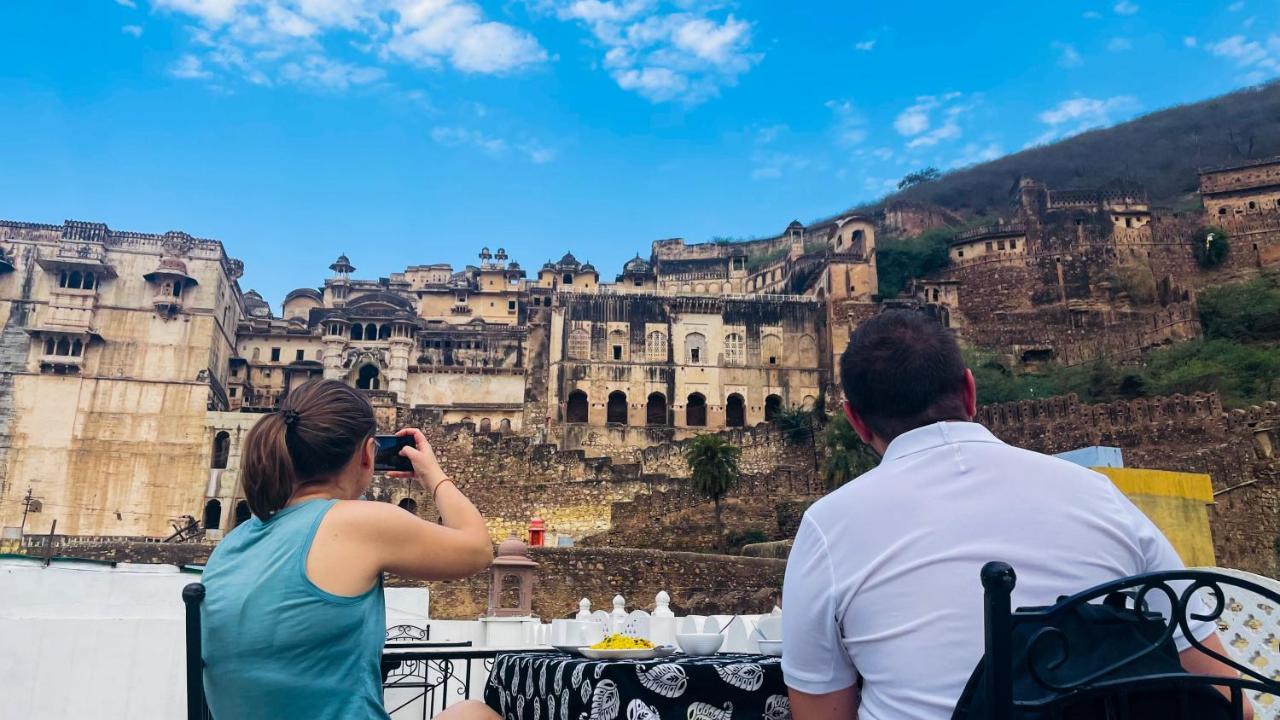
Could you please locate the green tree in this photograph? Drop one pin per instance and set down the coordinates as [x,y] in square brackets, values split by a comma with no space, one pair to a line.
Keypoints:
[1248,311]
[1210,246]
[796,423]
[844,455]
[898,261]
[713,468]
[923,175]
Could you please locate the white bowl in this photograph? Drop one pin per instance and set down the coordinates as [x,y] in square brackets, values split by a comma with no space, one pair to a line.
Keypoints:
[699,643]
[770,647]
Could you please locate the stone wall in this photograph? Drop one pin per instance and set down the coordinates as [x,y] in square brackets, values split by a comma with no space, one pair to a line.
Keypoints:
[698,583]
[1236,449]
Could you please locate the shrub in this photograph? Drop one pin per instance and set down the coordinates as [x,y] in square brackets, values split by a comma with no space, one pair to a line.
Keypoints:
[1210,246]
[1248,311]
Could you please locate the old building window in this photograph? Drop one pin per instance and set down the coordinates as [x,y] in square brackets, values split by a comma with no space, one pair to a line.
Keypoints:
[63,347]
[694,344]
[511,306]
[357,332]
[935,294]
[616,411]
[485,425]
[384,332]
[695,411]
[567,279]
[576,407]
[772,405]
[319,355]
[221,450]
[275,354]
[1013,244]
[771,349]
[1253,205]
[618,345]
[242,512]
[233,392]
[655,347]
[504,427]
[959,253]
[655,411]
[299,355]
[733,353]
[858,243]
[735,412]
[370,332]
[988,246]
[580,344]
[461,298]
[999,244]
[212,515]
[368,378]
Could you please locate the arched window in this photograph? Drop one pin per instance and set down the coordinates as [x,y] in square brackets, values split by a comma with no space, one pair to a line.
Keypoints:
[655,347]
[808,350]
[242,512]
[733,345]
[63,276]
[257,353]
[485,425]
[370,332]
[576,408]
[74,280]
[368,378]
[694,348]
[858,243]
[409,505]
[90,281]
[772,405]
[221,450]
[48,346]
[580,344]
[735,411]
[616,413]
[771,350]
[567,279]
[504,427]
[64,347]
[655,412]
[212,515]
[357,331]
[384,332]
[695,411]
[618,346]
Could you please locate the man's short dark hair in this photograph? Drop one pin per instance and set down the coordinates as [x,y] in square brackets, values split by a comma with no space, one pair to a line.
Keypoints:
[902,370]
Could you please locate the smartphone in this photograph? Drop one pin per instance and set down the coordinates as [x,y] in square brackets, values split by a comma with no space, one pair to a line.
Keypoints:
[388,456]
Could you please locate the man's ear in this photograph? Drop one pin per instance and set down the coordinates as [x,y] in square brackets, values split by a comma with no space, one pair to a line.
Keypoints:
[859,426]
[970,394]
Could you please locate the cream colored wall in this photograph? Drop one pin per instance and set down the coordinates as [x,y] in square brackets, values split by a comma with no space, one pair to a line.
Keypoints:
[978,249]
[462,389]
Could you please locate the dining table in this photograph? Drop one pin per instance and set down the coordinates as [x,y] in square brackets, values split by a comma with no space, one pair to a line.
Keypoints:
[563,686]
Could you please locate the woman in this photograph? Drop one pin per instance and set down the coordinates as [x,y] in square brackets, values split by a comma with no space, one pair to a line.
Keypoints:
[294,619]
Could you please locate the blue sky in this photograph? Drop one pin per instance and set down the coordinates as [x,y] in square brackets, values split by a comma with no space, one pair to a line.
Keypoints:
[416,131]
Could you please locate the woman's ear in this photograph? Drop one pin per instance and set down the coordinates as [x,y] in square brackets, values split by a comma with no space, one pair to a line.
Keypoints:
[368,453]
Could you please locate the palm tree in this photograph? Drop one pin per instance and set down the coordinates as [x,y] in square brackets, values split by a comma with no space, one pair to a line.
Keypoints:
[845,456]
[713,467]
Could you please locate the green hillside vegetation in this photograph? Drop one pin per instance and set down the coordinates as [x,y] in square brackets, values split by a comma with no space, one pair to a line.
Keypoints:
[1239,358]
[900,259]
[1163,151]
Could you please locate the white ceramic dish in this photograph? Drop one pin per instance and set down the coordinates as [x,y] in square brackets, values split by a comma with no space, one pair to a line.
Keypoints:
[770,647]
[700,643]
[571,649]
[657,652]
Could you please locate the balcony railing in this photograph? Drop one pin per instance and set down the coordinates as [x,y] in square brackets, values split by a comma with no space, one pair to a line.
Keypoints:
[419,682]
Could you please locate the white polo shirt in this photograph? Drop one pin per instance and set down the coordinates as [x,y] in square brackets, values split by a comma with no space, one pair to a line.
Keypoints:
[883,580]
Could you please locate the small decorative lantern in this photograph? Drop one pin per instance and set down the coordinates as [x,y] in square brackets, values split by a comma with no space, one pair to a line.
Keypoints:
[537,532]
[512,565]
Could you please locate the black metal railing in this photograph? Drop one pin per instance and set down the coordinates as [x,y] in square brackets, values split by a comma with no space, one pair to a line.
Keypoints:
[419,683]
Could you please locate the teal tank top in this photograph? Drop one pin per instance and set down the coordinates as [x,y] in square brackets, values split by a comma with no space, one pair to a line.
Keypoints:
[275,644]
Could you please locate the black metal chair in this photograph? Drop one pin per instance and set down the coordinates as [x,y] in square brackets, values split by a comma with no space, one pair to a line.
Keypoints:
[197,708]
[1049,649]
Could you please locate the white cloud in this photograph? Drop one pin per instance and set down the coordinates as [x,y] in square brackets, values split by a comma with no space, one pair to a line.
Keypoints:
[1248,22]
[189,67]
[975,153]
[1076,115]
[1119,44]
[1068,56]
[916,122]
[1124,7]
[685,55]
[883,153]
[298,40]
[771,164]
[316,70]
[1258,60]
[768,134]
[1235,7]
[1190,41]
[1092,15]
[865,45]
[850,127]
[538,154]
[460,136]
[134,30]
[127,3]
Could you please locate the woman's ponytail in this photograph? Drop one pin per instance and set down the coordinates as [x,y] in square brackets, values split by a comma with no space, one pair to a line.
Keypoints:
[319,427]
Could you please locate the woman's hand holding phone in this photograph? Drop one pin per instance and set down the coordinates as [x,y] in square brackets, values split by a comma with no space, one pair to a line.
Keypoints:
[425,465]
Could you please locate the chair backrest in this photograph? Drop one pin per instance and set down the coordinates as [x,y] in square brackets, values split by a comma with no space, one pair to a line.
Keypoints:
[197,708]
[1178,588]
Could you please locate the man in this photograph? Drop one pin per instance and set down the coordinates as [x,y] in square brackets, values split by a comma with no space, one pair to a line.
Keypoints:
[882,585]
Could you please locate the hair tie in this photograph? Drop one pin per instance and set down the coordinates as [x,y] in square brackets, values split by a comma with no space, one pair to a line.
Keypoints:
[291,417]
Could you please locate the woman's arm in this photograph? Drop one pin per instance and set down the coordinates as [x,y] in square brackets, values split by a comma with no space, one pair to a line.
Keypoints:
[388,539]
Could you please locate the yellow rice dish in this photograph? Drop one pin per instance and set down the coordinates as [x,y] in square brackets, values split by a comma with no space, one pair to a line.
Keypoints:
[622,642]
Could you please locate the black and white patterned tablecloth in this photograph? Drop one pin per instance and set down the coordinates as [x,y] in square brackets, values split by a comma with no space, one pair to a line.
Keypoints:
[556,686]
